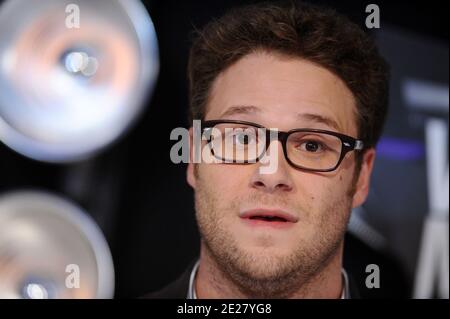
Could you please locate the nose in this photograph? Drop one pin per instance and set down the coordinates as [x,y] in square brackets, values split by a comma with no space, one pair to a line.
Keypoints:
[279,179]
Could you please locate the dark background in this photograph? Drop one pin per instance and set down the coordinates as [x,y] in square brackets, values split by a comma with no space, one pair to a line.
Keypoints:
[139,198]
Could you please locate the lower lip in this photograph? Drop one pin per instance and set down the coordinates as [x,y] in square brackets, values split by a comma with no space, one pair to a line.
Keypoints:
[263,223]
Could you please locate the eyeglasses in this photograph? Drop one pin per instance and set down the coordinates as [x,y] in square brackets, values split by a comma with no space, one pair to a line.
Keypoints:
[242,142]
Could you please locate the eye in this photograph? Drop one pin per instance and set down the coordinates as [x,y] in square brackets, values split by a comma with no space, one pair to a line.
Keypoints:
[243,138]
[312,146]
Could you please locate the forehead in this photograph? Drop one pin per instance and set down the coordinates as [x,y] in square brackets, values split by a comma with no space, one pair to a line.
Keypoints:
[277,91]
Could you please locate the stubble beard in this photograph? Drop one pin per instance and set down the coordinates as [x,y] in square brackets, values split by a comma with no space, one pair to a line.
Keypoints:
[259,275]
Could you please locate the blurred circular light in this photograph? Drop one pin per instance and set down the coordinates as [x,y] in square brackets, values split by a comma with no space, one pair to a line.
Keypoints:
[68,91]
[42,237]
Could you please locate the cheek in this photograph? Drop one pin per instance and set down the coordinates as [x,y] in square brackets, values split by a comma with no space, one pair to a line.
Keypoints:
[224,179]
[324,190]
[327,210]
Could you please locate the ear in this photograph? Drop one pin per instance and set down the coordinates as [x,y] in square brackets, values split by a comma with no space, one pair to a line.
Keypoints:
[363,183]
[190,174]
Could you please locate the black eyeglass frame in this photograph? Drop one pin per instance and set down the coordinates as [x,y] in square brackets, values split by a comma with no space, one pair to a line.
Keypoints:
[348,143]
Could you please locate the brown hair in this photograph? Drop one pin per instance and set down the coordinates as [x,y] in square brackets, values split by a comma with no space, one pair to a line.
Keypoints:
[306,31]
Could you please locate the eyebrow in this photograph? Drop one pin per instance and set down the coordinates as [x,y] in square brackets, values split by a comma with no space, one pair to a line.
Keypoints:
[319,119]
[251,109]
[241,109]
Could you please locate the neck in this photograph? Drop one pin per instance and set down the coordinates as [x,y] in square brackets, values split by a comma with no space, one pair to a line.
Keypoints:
[212,282]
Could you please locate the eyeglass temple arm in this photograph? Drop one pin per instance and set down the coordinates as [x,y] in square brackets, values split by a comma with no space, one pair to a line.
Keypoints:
[359,145]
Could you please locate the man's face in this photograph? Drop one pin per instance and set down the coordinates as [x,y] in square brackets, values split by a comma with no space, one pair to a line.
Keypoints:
[283,93]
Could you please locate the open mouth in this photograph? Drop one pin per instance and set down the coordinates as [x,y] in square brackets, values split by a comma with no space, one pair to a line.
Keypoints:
[268,217]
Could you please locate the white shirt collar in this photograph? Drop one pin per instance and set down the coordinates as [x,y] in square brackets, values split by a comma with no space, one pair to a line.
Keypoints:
[191,291]
[192,294]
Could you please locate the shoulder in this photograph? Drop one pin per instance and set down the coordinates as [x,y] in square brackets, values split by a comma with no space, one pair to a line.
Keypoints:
[177,289]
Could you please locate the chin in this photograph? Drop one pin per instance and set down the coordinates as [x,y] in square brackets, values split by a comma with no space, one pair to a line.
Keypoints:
[263,261]
[267,245]
[263,269]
